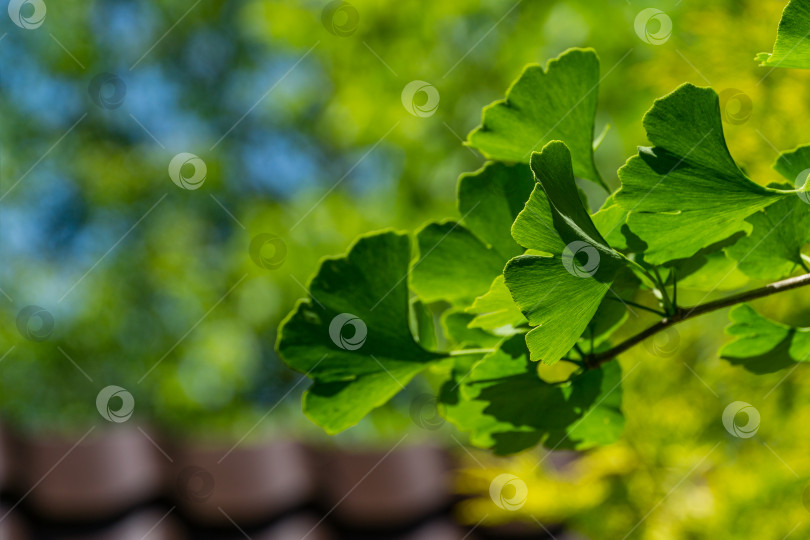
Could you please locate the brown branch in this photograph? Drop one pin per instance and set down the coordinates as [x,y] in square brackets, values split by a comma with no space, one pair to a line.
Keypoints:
[682,314]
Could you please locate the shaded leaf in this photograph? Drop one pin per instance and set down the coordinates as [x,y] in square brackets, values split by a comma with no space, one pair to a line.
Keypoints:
[489,201]
[454,264]
[422,325]
[761,345]
[582,413]
[353,336]
[773,249]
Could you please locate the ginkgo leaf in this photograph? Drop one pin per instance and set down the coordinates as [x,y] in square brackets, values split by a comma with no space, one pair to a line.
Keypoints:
[794,165]
[611,221]
[453,265]
[792,48]
[422,325]
[352,337]
[773,250]
[761,345]
[457,330]
[582,413]
[686,192]
[496,310]
[457,261]
[558,103]
[558,294]
[489,201]
[713,270]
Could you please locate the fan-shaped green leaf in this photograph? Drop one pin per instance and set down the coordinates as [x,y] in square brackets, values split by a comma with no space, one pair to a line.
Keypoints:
[558,103]
[792,48]
[686,192]
[559,294]
[496,309]
[762,345]
[489,201]
[454,264]
[352,337]
[773,250]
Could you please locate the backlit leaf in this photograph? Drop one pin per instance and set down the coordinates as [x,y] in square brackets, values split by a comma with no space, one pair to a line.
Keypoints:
[792,48]
[558,294]
[558,103]
[686,192]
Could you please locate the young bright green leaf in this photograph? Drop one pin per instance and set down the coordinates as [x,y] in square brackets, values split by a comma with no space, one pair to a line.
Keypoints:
[686,192]
[792,48]
[558,103]
[559,294]
[489,201]
[496,309]
[610,221]
[761,345]
[453,265]
[580,414]
[352,337]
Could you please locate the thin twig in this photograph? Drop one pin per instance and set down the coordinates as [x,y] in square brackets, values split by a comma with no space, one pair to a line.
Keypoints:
[682,314]
[639,306]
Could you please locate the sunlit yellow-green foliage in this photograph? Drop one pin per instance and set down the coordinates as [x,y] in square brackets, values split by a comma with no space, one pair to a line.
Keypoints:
[159,298]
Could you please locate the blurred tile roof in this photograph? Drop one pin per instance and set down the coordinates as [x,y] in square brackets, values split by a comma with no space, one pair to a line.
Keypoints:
[128,483]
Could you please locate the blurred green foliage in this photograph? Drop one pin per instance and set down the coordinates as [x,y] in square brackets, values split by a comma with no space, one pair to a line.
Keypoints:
[318,148]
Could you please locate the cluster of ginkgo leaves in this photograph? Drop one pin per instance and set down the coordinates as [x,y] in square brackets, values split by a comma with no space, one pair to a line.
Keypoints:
[529,278]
